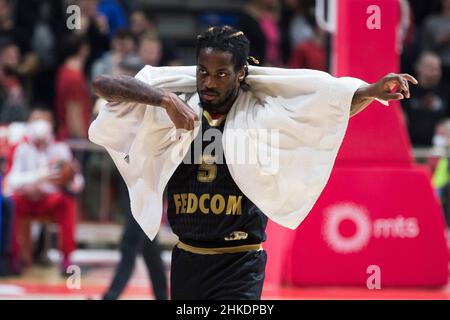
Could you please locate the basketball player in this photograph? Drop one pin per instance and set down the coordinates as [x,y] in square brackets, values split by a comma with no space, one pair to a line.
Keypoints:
[219,255]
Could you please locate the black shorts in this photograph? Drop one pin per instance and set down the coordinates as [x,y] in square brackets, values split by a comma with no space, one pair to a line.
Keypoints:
[227,276]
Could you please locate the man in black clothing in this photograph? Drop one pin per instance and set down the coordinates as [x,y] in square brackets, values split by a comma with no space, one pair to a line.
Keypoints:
[207,210]
[6,220]
[429,103]
[133,242]
[219,255]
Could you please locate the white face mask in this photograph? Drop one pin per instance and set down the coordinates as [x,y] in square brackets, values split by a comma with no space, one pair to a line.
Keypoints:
[40,131]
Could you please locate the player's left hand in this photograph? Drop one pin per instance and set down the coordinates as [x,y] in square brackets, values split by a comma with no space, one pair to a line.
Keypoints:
[392,86]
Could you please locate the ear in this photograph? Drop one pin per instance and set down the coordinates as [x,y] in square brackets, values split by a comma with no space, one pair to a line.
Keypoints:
[241,74]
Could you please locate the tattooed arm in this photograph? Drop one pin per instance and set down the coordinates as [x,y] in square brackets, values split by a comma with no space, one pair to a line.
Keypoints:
[128,89]
[382,90]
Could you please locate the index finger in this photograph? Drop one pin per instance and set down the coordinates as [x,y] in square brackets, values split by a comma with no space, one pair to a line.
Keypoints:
[410,78]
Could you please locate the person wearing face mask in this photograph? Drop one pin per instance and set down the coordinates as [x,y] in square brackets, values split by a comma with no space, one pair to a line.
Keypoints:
[43,180]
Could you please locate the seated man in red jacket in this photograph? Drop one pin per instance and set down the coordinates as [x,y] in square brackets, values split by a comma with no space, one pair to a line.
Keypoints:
[43,180]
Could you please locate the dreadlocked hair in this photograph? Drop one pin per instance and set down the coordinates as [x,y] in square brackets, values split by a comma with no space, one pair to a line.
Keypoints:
[227,39]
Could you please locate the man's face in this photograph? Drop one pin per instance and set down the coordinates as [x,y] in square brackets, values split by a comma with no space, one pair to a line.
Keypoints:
[10,58]
[123,46]
[150,52]
[88,7]
[217,81]
[139,23]
[445,5]
[40,133]
[5,10]
[429,69]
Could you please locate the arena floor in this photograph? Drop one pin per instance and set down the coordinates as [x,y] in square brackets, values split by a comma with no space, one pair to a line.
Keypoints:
[45,282]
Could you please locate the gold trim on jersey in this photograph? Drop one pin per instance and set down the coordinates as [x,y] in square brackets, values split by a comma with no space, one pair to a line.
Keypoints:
[214,122]
[198,250]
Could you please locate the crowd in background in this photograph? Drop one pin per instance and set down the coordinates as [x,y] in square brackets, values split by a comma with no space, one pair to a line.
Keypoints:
[40,58]
[46,70]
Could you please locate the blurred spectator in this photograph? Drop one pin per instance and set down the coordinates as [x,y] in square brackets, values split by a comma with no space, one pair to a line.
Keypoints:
[438,163]
[73,101]
[149,53]
[259,22]
[6,217]
[47,35]
[249,24]
[436,36]
[9,24]
[134,241]
[423,9]
[115,14]
[429,100]
[408,43]
[27,14]
[128,6]
[6,220]
[17,25]
[289,12]
[150,50]
[43,180]
[13,104]
[43,41]
[301,28]
[6,20]
[311,54]
[94,28]
[142,24]
[122,44]
[35,27]
[405,26]
[268,20]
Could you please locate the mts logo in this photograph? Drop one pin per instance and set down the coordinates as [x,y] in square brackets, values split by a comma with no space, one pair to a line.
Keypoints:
[348,227]
[399,227]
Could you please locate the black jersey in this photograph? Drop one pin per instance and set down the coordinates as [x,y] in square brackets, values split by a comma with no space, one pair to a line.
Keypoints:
[205,206]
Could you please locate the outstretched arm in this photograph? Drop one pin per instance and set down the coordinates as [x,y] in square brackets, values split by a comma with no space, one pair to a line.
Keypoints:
[125,89]
[390,87]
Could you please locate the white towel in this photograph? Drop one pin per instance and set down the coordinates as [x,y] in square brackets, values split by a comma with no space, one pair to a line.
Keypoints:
[306,111]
